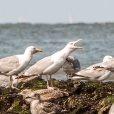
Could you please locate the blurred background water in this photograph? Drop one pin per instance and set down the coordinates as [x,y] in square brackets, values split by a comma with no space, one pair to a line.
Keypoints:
[98,39]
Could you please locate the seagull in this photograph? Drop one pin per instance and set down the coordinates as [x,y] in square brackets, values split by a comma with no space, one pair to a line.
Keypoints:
[15,64]
[71,65]
[106,58]
[111,111]
[51,64]
[107,64]
[45,94]
[39,106]
[92,73]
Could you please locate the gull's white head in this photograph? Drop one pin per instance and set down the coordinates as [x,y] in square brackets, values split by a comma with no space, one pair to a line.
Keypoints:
[32,50]
[107,58]
[72,45]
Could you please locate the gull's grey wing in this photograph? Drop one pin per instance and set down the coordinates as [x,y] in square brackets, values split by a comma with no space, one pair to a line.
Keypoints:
[9,63]
[39,66]
[108,65]
[94,65]
[74,61]
[94,73]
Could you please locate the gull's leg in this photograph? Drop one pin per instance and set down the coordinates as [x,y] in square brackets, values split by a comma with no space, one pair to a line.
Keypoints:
[48,87]
[100,83]
[47,81]
[67,76]
[51,81]
[12,86]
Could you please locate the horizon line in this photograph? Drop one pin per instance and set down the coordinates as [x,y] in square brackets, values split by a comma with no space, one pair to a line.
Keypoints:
[107,22]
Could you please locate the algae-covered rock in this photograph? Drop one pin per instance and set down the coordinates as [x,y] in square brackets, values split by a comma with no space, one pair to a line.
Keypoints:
[104,104]
[84,97]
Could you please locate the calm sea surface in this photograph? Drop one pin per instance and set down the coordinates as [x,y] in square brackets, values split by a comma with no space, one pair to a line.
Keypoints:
[98,41]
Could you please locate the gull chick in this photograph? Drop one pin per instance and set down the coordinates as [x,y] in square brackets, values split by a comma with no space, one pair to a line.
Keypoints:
[39,106]
[45,94]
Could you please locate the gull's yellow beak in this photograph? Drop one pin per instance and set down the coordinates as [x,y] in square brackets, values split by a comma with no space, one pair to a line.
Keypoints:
[78,40]
[39,50]
[77,47]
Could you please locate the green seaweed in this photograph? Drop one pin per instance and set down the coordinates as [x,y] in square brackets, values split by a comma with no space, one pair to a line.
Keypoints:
[89,83]
[107,100]
[79,106]
[5,92]
[16,107]
[104,104]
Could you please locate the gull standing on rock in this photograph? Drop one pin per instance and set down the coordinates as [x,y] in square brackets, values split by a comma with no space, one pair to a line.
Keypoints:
[51,64]
[71,65]
[92,73]
[13,65]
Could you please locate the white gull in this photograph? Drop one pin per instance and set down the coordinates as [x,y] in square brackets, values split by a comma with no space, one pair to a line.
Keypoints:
[51,64]
[15,64]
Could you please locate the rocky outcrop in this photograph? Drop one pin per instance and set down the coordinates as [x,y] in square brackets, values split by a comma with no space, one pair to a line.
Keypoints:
[83,98]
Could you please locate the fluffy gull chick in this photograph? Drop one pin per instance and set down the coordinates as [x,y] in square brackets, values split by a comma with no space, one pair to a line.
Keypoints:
[39,106]
[15,64]
[45,94]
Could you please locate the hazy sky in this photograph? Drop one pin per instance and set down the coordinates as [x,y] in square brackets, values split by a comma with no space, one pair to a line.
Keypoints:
[56,11]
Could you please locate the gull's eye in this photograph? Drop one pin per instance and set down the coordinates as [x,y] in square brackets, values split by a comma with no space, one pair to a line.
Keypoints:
[71,43]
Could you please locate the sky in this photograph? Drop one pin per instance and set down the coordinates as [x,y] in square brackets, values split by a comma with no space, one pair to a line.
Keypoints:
[56,11]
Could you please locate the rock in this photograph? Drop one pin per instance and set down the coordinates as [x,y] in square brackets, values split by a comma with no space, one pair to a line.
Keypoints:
[84,97]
